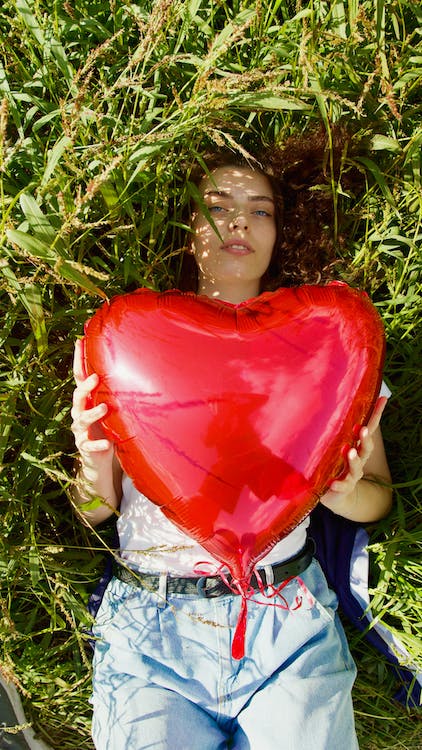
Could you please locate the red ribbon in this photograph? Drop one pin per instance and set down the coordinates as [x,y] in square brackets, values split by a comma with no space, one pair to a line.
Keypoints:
[243,588]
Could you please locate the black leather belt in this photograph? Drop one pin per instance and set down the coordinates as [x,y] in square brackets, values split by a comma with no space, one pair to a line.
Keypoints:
[210,586]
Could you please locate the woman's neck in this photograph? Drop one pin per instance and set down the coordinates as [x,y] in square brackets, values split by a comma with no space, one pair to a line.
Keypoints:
[234,292]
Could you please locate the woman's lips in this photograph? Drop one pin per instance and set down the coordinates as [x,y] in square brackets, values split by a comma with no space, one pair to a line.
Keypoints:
[237,248]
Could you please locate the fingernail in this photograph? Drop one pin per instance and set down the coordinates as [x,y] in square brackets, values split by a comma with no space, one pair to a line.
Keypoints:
[356,430]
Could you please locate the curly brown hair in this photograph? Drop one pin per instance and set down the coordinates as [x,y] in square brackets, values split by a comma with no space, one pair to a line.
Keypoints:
[303,173]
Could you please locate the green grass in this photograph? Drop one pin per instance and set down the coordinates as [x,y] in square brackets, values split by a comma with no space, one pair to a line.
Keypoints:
[103,104]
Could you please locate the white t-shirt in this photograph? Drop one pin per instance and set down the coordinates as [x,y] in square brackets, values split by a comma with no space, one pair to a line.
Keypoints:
[153,544]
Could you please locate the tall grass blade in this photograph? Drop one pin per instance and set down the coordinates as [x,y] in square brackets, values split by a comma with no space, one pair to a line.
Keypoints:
[30,296]
[53,158]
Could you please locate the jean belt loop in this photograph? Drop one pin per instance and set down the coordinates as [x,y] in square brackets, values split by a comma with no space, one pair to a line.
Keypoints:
[162,591]
[269,575]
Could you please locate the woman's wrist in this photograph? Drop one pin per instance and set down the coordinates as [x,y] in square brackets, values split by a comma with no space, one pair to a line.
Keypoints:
[92,492]
[369,500]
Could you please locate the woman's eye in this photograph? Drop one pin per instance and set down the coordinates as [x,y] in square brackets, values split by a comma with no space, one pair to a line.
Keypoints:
[216,209]
[262,212]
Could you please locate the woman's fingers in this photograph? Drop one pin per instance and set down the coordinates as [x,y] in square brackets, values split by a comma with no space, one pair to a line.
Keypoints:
[88,434]
[86,418]
[85,423]
[366,444]
[376,415]
[355,465]
[354,473]
[78,369]
[81,393]
[86,446]
[356,458]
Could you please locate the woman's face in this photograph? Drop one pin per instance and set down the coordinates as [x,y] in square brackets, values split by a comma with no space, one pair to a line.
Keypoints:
[241,204]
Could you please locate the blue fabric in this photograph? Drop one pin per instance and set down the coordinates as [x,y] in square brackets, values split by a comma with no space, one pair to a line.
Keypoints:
[164,677]
[334,538]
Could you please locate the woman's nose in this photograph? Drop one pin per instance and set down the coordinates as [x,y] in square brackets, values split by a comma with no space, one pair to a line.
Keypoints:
[238,221]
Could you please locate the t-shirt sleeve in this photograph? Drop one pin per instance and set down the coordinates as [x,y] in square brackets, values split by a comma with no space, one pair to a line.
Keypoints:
[384,390]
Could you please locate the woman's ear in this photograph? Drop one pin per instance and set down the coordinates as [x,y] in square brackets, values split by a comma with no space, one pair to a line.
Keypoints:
[190,240]
[189,249]
[189,252]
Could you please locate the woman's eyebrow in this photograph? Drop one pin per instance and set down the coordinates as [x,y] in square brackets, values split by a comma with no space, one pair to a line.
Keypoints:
[226,194]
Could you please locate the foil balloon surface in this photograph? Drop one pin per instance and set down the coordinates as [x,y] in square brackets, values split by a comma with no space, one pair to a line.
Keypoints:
[232,418]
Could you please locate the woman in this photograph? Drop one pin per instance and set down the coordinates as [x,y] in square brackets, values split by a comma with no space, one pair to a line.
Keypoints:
[163,674]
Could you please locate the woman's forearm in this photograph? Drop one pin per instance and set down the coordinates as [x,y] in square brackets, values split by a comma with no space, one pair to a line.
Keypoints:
[95,492]
[364,494]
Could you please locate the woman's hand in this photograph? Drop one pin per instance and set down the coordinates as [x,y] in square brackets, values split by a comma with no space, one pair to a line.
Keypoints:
[363,493]
[99,474]
[90,440]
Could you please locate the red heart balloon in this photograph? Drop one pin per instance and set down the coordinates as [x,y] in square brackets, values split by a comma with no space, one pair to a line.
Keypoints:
[232,418]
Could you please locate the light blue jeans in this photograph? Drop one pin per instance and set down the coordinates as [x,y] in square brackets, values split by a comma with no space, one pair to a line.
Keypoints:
[164,678]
